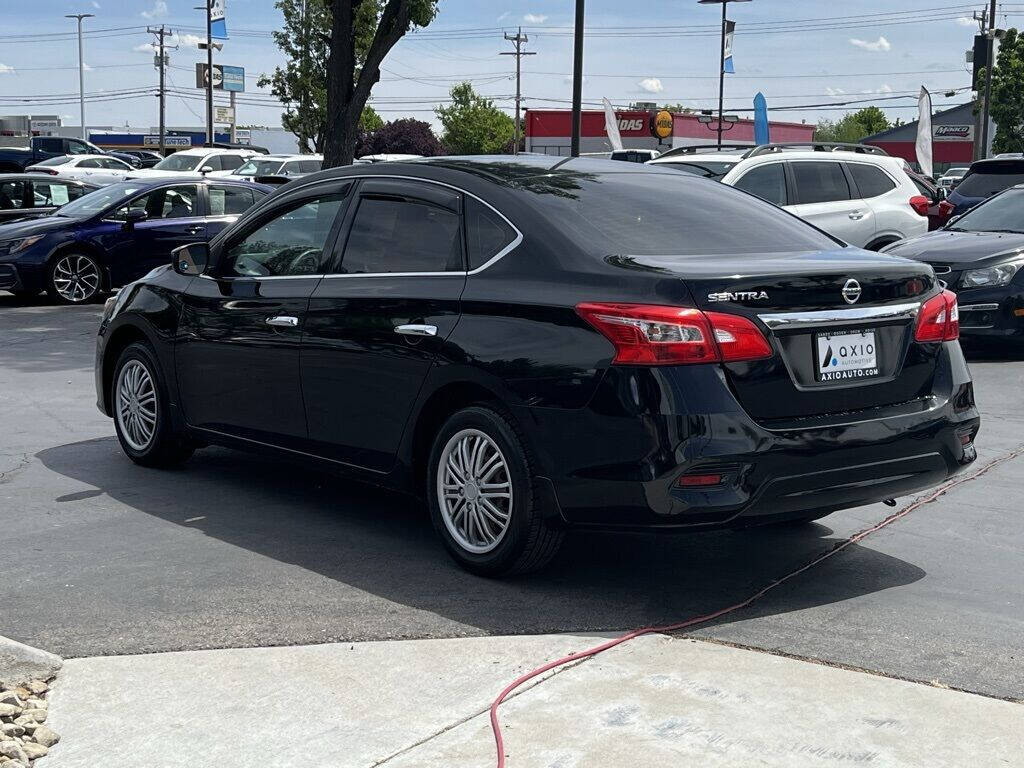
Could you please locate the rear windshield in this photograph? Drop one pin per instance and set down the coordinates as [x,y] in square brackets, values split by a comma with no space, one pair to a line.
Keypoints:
[179,162]
[990,178]
[63,159]
[709,169]
[259,168]
[658,214]
[1004,213]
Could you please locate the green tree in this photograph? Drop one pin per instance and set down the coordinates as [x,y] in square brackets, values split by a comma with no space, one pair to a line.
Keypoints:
[302,82]
[473,125]
[853,126]
[362,33]
[1007,104]
[370,121]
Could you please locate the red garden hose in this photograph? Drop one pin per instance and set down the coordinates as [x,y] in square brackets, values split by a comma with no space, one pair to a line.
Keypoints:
[839,547]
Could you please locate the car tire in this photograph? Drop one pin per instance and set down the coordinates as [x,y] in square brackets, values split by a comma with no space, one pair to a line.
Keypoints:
[487,531]
[74,278]
[142,419]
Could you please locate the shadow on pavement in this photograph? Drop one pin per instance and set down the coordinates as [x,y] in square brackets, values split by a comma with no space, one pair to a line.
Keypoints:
[382,543]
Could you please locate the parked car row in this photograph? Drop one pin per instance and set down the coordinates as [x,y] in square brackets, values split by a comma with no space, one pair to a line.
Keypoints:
[537,344]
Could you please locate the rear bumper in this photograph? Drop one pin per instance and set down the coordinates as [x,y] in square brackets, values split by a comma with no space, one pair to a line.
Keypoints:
[617,463]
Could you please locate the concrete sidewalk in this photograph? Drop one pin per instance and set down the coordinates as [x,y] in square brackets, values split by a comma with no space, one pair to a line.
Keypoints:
[653,701]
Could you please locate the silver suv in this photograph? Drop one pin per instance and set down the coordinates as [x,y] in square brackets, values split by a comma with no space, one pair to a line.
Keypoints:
[855,192]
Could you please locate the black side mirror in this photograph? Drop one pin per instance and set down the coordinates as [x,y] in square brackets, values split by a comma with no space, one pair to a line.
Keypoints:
[940,194]
[134,216]
[191,259]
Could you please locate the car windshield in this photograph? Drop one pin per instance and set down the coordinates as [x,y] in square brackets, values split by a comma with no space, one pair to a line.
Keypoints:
[259,167]
[663,214]
[95,202]
[956,171]
[707,168]
[1003,213]
[987,179]
[62,160]
[179,162]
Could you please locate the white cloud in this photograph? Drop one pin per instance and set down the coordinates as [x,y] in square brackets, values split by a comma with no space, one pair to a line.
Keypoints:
[95,5]
[535,18]
[834,91]
[651,85]
[6,69]
[885,88]
[966,21]
[504,16]
[881,44]
[158,10]
[183,41]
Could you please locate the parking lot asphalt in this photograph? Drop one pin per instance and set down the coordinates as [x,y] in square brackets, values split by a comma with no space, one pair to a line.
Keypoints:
[100,557]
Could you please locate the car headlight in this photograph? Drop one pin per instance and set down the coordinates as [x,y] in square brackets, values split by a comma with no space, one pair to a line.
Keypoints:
[8,247]
[997,274]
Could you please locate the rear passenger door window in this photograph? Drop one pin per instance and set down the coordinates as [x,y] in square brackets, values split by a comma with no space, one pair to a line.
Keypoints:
[871,180]
[767,182]
[820,182]
[12,195]
[488,234]
[404,227]
[229,201]
[231,162]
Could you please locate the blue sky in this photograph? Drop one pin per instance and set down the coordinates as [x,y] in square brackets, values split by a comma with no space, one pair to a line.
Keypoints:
[861,55]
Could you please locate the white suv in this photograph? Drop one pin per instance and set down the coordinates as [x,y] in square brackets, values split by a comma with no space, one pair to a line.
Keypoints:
[194,161]
[855,192]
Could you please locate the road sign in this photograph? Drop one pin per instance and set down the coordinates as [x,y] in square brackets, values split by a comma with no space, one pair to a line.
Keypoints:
[223,115]
[225,78]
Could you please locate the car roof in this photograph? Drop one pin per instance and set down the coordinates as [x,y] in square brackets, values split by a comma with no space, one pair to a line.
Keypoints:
[42,177]
[145,182]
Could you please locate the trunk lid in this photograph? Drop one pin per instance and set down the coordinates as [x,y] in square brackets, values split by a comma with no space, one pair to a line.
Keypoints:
[841,323]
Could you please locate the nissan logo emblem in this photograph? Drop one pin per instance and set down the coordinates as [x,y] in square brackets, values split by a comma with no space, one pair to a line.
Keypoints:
[851,291]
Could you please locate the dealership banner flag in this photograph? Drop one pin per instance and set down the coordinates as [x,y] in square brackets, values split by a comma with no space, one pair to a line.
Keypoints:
[218,26]
[924,132]
[611,125]
[727,67]
[762,131]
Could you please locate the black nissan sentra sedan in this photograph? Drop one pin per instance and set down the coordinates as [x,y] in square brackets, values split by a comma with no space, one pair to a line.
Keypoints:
[980,256]
[536,344]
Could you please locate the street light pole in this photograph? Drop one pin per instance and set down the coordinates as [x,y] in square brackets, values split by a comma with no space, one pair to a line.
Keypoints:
[209,71]
[81,68]
[721,61]
[988,78]
[577,82]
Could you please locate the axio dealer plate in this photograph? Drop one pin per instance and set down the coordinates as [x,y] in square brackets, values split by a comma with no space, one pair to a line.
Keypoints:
[846,355]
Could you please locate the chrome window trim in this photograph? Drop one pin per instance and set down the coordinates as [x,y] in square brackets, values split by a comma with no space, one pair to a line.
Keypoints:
[455,273]
[846,316]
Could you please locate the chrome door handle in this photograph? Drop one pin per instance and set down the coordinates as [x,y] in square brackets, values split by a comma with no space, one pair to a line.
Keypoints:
[414,329]
[283,321]
[857,215]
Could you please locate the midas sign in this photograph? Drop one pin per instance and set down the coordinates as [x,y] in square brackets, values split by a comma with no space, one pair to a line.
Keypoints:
[629,124]
[661,124]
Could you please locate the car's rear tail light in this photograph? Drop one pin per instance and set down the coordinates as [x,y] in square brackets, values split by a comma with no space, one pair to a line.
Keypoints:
[47,170]
[939,319]
[946,209]
[692,481]
[920,204]
[646,334]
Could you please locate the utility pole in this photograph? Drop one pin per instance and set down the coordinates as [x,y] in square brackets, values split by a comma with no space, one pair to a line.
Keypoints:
[161,62]
[577,81]
[518,40]
[81,68]
[986,107]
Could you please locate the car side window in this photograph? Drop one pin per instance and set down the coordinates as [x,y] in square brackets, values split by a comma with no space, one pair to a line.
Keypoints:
[290,242]
[229,201]
[310,166]
[767,182]
[50,193]
[398,233]
[90,163]
[820,182]
[78,148]
[487,233]
[12,195]
[871,181]
[291,169]
[178,202]
[231,162]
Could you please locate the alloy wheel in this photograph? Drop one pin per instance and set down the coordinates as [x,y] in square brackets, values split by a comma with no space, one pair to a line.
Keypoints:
[474,491]
[136,405]
[76,278]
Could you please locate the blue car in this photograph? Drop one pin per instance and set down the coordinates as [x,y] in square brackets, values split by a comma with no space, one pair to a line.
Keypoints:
[984,179]
[116,234]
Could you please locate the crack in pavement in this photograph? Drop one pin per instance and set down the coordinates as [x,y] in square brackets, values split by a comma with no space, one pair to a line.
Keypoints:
[23,461]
